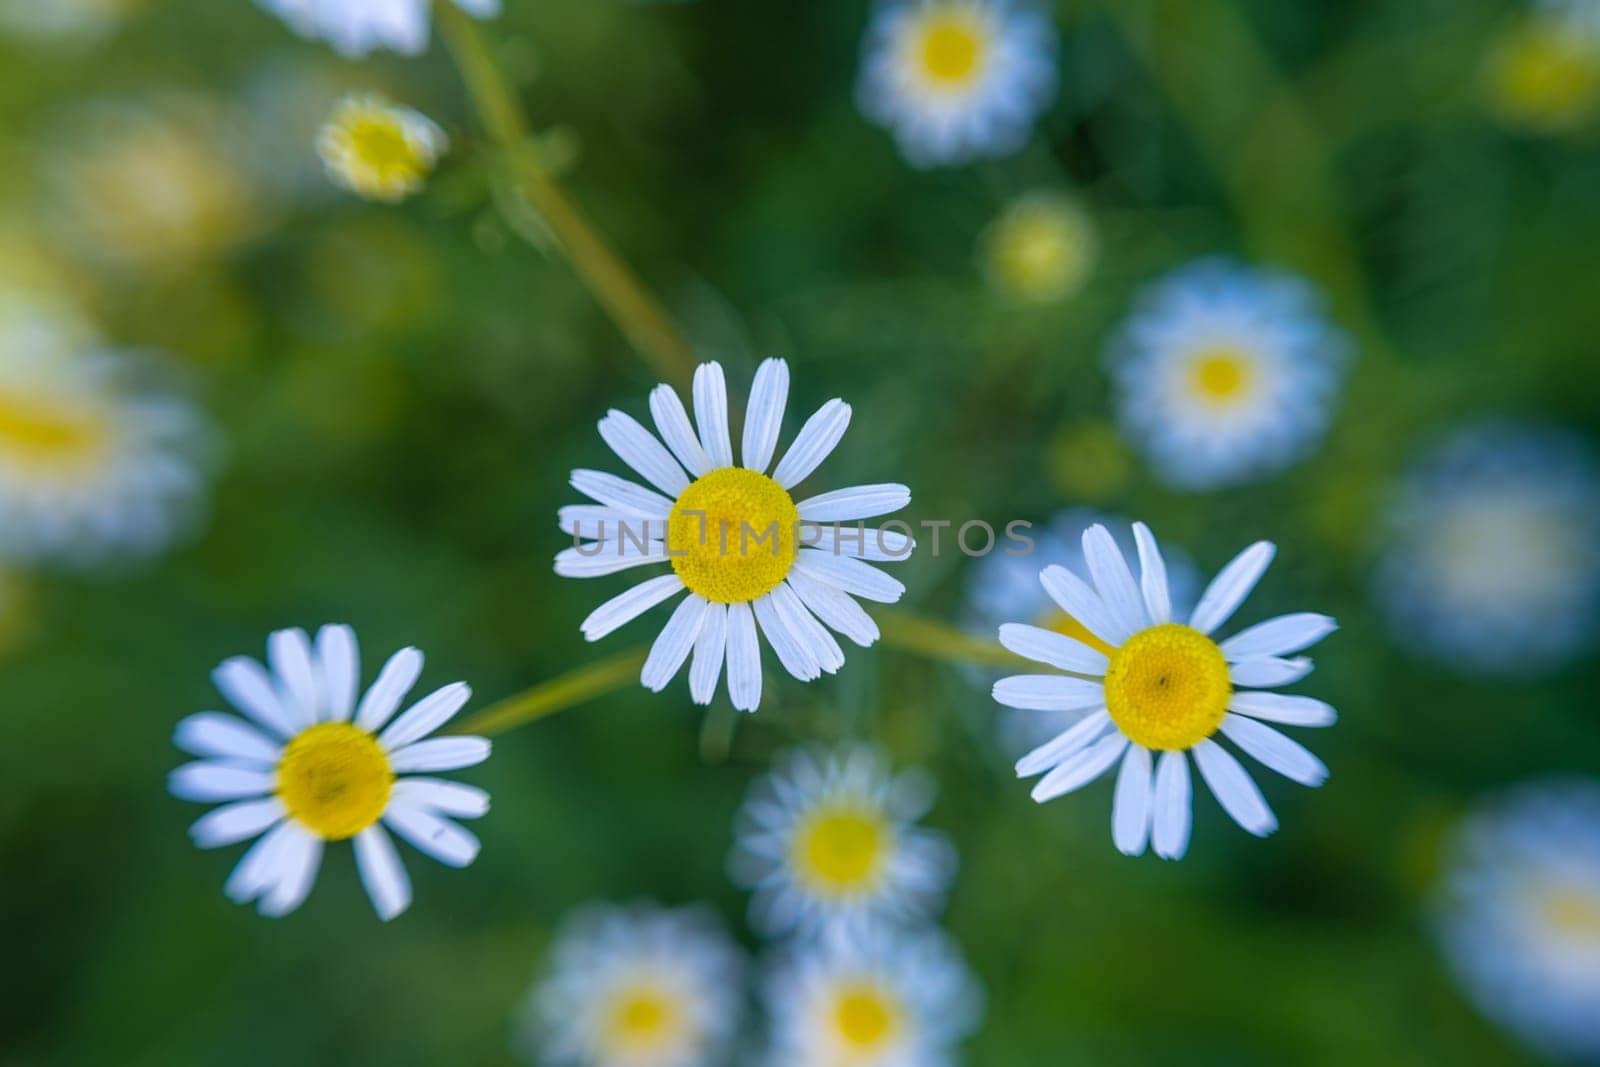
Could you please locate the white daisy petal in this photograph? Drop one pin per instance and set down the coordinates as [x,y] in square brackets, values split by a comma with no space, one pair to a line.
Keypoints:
[849,575]
[1269,670]
[1069,741]
[795,656]
[1279,636]
[857,540]
[1049,692]
[207,783]
[854,503]
[1131,805]
[608,557]
[1153,575]
[711,413]
[1074,596]
[441,795]
[298,859]
[710,648]
[1230,587]
[339,670]
[625,607]
[212,733]
[744,658]
[673,645]
[426,716]
[619,493]
[289,654]
[395,680]
[1173,814]
[445,841]
[1234,789]
[818,642]
[596,522]
[835,608]
[382,873]
[1275,751]
[1281,707]
[672,423]
[813,444]
[763,418]
[440,754]
[247,686]
[1112,579]
[235,822]
[1057,650]
[640,450]
[1080,768]
[259,868]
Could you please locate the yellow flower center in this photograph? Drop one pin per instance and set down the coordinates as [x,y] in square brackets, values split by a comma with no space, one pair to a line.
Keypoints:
[1065,624]
[1168,687]
[866,1017]
[1544,74]
[641,1018]
[51,437]
[731,535]
[952,49]
[335,780]
[377,141]
[1572,914]
[1041,250]
[841,850]
[1222,375]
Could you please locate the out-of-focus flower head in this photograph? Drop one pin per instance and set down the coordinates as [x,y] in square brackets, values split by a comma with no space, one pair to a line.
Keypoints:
[1543,72]
[1041,248]
[379,150]
[356,27]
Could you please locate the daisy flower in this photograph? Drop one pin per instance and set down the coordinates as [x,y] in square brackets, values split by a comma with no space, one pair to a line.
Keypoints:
[738,542]
[1040,249]
[379,150]
[1492,554]
[955,80]
[1543,72]
[1162,692]
[1225,375]
[1004,588]
[314,765]
[639,986]
[1518,914]
[884,998]
[829,841]
[96,461]
[356,27]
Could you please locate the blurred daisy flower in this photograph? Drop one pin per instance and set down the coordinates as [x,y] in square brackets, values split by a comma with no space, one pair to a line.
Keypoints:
[313,765]
[1492,554]
[955,80]
[96,460]
[63,21]
[1543,72]
[1225,374]
[1041,248]
[379,150]
[883,998]
[1164,689]
[1518,914]
[639,986]
[1004,588]
[356,27]
[829,842]
[733,535]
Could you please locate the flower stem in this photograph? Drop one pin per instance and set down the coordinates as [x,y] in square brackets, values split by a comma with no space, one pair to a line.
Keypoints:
[936,640]
[558,694]
[641,319]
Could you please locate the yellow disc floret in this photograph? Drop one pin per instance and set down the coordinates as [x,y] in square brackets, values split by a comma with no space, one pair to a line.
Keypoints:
[642,1018]
[1545,74]
[866,1017]
[1222,375]
[1168,687]
[841,850]
[731,535]
[49,437]
[1040,249]
[951,47]
[334,779]
[379,150]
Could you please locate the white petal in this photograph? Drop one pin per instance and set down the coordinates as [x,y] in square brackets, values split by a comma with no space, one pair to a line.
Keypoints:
[834,607]
[211,733]
[710,648]
[1080,768]
[711,413]
[1064,744]
[744,658]
[1280,707]
[849,575]
[338,670]
[673,645]
[385,878]
[259,867]
[600,558]
[1275,751]
[450,844]
[672,423]
[1074,596]
[857,540]
[763,416]
[627,606]
[1132,803]
[1268,670]
[207,783]
[1173,814]
[627,497]
[234,822]
[1153,575]
[1234,789]
[819,643]
[815,441]
[1113,580]
[246,685]
[440,754]
[426,716]
[298,860]
[596,522]
[1230,587]
[1049,692]
[855,502]
[1279,636]
[455,799]
[639,449]
[792,653]
[395,680]
[1058,650]
[289,655]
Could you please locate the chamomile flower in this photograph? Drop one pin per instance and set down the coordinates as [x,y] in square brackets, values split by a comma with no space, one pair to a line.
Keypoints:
[884,998]
[313,765]
[1225,375]
[1491,561]
[638,986]
[1004,588]
[97,461]
[747,553]
[1163,691]
[1518,914]
[1543,72]
[379,150]
[955,80]
[1040,249]
[829,842]
[356,27]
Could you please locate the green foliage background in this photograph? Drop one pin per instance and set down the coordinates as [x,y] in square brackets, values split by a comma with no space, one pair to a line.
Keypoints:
[403,392]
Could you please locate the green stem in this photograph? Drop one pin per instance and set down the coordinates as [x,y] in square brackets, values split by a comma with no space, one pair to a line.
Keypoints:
[936,640]
[560,693]
[642,320]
